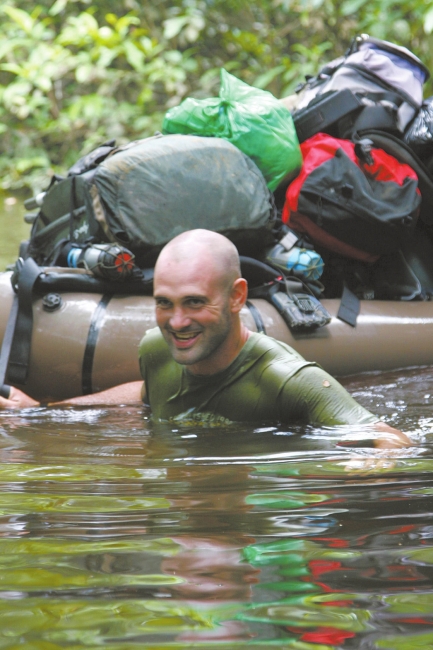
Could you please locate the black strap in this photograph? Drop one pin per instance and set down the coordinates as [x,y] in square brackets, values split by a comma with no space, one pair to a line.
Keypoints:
[256,272]
[92,337]
[73,202]
[376,117]
[258,320]
[22,338]
[350,307]
[59,281]
[7,340]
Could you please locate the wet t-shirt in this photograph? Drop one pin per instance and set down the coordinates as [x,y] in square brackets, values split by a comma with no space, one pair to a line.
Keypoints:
[267,382]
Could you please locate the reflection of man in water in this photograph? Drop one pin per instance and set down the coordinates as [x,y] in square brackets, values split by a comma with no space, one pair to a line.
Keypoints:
[204,363]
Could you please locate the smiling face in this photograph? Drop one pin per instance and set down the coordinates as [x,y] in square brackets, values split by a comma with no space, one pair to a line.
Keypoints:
[192,312]
[198,301]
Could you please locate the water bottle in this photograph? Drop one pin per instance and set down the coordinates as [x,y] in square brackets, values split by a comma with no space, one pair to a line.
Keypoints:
[302,262]
[108,261]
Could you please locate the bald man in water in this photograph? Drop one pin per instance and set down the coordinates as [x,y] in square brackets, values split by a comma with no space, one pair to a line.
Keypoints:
[204,364]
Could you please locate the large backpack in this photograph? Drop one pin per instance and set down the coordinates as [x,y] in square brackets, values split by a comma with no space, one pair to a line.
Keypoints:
[376,84]
[144,194]
[353,200]
[396,147]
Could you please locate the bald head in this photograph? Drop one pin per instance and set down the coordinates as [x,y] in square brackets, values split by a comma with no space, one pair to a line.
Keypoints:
[199,295]
[203,249]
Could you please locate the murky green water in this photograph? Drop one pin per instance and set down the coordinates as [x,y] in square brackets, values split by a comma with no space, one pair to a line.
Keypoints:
[116,532]
[120,533]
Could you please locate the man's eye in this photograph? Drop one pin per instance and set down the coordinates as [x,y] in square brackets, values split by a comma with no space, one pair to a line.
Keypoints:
[195,302]
[163,303]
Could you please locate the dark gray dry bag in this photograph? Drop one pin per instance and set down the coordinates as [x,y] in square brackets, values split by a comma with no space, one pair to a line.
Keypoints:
[145,193]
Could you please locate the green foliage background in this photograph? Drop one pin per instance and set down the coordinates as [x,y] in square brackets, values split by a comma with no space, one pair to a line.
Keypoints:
[74,74]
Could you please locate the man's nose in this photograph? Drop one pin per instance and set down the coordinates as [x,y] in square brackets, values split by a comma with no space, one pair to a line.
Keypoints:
[179,319]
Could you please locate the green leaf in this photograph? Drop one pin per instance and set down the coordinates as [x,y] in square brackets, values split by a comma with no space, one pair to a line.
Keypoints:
[134,56]
[25,164]
[84,73]
[173,26]
[122,24]
[43,82]
[12,67]
[8,46]
[265,79]
[21,18]
[351,6]
[58,7]
[428,21]
[194,27]
[106,56]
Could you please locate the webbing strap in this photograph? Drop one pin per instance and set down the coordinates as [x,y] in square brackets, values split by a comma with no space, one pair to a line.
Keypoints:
[7,339]
[22,338]
[92,337]
[350,306]
[260,326]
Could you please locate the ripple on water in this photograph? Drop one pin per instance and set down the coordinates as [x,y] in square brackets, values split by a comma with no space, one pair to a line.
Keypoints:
[118,532]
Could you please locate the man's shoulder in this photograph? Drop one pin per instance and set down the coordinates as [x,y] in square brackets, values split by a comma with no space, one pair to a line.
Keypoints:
[271,360]
[264,344]
[153,345]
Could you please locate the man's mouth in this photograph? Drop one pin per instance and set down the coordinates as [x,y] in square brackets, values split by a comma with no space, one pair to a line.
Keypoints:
[184,339]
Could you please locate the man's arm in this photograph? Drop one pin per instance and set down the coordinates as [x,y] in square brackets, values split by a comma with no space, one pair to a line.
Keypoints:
[325,402]
[131,393]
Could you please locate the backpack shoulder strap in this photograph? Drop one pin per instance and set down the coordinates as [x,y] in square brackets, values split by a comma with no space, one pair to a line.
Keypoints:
[22,337]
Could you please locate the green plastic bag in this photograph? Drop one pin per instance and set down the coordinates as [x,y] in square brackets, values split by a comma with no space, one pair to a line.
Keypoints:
[251,119]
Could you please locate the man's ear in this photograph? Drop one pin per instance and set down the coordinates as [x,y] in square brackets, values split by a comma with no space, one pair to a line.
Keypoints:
[239,295]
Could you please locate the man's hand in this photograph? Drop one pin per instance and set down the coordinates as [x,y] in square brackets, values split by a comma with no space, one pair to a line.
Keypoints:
[390,438]
[17,400]
[386,438]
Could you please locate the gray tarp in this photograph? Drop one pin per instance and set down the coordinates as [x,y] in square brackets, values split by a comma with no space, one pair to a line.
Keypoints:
[159,187]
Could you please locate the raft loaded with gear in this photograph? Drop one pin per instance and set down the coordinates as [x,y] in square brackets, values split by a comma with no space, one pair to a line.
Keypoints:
[334,233]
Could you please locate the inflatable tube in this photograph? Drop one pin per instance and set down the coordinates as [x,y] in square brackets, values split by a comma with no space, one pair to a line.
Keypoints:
[91,341]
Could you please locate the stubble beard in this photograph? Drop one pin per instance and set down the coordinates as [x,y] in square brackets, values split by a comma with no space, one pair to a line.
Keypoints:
[211,338]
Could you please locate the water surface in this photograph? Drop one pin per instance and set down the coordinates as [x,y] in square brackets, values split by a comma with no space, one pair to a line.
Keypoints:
[122,533]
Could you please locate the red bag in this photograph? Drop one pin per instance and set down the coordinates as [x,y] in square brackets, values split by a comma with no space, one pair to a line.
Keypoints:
[351,199]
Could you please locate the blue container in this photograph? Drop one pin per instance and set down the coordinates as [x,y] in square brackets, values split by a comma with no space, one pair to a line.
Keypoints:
[302,262]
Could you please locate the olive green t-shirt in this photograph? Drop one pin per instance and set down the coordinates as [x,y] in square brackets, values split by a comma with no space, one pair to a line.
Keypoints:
[267,382]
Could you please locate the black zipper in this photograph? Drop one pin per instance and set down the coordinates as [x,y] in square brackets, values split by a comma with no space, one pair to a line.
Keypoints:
[350,206]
